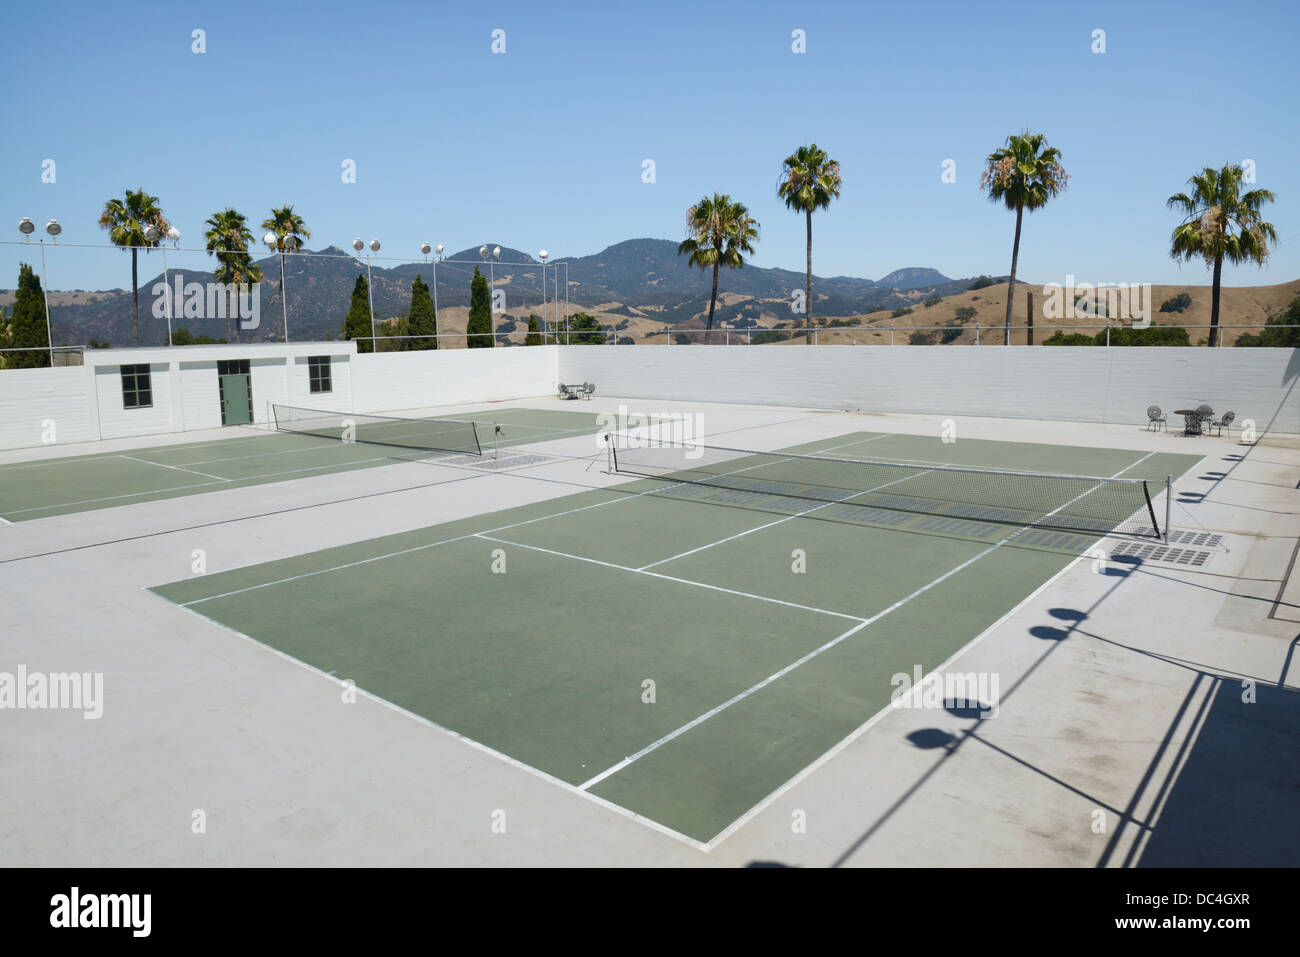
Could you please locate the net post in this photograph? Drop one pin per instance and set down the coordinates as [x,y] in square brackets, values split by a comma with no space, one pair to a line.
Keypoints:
[1169,504]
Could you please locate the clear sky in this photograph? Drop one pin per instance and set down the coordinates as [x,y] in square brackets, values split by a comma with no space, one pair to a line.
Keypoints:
[542,146]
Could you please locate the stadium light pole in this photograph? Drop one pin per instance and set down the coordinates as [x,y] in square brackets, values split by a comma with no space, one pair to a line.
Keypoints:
[273,243]
[27,227]
[437,258]
[543,256]
[358,245]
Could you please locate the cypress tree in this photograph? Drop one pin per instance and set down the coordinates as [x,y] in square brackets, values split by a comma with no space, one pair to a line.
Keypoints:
[422,320]
[28,322]
[478,329]
[357,324]
[534,337]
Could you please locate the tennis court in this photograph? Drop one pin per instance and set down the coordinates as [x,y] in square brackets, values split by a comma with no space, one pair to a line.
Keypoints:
[681,647]
[60,486]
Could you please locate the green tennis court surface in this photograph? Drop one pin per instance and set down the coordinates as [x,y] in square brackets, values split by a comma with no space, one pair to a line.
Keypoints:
[536,631]
[108,479]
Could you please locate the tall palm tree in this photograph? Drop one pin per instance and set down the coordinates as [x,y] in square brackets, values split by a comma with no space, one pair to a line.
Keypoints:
[720,231]
[126,223]
[1215,209]
[1023,175]
[290,231]
[228,237]
[809,181]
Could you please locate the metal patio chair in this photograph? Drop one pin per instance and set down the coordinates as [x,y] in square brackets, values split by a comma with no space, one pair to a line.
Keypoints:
[1156,419]
[1224,422]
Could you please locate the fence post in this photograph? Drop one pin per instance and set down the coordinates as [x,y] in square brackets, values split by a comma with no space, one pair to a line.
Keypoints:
[891,335]
[727,341]
[749,337]
[814,336]
[1108,334]
[977,333]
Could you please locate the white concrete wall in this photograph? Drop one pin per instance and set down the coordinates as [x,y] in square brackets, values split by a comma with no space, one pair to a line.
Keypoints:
[338,399]
[116,421]
[200,399]
[1080,384]
[400,380]
[32,398]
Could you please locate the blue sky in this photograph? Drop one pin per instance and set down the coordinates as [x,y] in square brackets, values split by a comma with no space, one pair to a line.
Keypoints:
[542,146]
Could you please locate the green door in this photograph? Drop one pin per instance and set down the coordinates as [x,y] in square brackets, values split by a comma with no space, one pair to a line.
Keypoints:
[234,400]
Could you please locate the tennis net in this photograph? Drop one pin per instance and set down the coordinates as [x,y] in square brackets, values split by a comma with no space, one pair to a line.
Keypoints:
[1074,502]
[426,435]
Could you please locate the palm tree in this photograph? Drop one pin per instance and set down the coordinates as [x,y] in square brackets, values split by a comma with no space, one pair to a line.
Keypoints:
[290,231]
[1023,175]
[228,237]
[1215,208]
[809,181]
[126,223]
[720,231]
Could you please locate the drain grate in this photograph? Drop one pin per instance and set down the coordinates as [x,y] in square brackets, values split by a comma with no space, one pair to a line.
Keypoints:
[507,460]
[1206,539]
[1186,557]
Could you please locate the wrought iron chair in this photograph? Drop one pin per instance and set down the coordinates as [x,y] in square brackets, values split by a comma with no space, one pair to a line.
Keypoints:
[1224,422]
[1156,419]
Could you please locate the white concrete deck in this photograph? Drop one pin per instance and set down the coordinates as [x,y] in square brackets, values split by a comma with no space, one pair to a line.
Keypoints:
[1126,703]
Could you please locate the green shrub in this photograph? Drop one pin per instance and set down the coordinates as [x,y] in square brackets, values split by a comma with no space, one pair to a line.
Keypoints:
[900,312]
[1152,336]
[1275,337]
[921,339]
[1060,338]
[932,301]
[980,283]
[965,313]
[1178,303]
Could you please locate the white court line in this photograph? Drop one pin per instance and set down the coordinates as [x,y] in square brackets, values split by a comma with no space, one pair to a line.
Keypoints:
[671,578]
[219,478]
[251,480]
[861,729]
[112,498]
[788,518]
[477,745]
[449,541]
[655,745]
[5,520]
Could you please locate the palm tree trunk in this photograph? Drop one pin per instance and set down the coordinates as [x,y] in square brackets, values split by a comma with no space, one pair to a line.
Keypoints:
[1011,281]
[808,305]
[1214,301]
[713,301]
[135,297]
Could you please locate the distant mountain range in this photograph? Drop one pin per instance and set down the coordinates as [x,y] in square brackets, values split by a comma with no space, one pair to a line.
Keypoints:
[643,277]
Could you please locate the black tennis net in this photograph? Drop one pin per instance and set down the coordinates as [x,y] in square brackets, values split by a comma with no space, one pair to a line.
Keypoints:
[426,435]
[1074,502]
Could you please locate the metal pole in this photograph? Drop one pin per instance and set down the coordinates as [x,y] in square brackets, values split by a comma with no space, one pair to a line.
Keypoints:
[435,303]
[167,284]
[370,294]
[45,291]
[284,296]
[1169,503]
